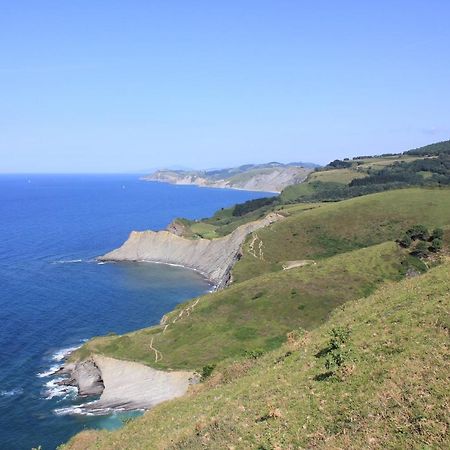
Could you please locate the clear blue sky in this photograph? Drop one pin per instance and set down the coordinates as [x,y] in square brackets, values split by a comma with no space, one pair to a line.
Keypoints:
[117,86]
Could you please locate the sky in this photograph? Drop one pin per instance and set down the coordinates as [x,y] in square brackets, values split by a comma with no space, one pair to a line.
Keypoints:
[128,86]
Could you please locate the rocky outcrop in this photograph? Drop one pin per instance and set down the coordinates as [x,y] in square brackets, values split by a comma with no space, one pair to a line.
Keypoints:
[85,375]
[214,258]
[177,227]
[125,384]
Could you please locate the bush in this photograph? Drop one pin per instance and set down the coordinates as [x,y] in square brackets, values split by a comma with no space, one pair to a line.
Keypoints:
[335,353]
[405,241]
[421,250]
[438,233]
[436,245]
[253,354]
[207,371]
[418,232]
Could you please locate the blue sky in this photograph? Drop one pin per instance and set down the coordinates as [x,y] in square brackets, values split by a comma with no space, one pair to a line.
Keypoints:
[118,86]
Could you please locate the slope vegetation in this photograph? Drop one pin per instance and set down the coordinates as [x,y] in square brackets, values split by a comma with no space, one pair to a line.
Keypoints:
[389,390]
[257,314]
[332,228]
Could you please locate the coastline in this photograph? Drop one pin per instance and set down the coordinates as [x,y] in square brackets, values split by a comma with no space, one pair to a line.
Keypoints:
[121,385]
[215,186]
[127,385]
[213,258]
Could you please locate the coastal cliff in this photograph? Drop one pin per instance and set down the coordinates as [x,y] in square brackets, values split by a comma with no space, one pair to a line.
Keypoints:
[124,384]
[214,258]
[271,177]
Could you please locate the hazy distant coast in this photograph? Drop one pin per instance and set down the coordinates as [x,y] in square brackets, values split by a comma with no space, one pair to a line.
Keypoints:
[270,177]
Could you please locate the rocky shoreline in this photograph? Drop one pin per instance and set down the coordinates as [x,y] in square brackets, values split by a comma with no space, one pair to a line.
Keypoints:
[124,385]
[128,385]
[214,258]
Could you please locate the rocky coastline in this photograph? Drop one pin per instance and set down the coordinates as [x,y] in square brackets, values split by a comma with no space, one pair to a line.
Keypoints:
[213,258]
[124,385]
[128,385]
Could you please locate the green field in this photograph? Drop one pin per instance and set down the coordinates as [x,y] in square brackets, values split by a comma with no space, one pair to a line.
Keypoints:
[390,392]
[335,228]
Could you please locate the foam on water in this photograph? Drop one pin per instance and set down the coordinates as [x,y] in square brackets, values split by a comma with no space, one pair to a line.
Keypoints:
[54,388]
[49,372]
[11,392]
[62,354]
[69,261]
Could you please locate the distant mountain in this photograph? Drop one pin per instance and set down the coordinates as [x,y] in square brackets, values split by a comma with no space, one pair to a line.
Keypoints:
[269,177]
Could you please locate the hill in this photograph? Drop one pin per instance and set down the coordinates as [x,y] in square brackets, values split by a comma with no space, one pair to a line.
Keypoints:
[270,177]
[374,375]
[361,175]
[333,332]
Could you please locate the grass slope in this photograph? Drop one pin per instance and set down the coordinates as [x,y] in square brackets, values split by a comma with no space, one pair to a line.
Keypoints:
[392,392]
[257,314]
[334,228]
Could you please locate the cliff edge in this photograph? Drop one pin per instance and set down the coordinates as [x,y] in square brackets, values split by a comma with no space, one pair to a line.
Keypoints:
[214,258]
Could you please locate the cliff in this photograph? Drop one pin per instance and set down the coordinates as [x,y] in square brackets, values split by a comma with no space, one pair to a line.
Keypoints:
[124,384]
[214,258]
[272,177]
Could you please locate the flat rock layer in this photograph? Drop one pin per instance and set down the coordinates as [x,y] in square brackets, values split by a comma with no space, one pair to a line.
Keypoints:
[130,385]
[214,258]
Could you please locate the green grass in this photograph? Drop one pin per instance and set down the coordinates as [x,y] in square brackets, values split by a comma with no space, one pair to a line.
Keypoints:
[334,228]
[258,313]
[343,176]
[392,391]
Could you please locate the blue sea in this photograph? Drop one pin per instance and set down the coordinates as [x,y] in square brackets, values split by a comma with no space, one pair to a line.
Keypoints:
[54,295]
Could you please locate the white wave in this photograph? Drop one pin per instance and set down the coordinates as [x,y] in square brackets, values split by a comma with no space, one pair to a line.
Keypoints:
[65,352]
[89,409]
[68,261]
[53,389]
[11,393]
[49,372]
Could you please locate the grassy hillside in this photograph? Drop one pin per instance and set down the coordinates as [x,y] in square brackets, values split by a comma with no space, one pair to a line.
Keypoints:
[257,314]
[390,390]
[332,228]
[427,166]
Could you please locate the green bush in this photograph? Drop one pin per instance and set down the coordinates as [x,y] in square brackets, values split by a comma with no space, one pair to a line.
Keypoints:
[405,241]
[436,245]
[438,233]
[418,232]
[207,371]
[420,250]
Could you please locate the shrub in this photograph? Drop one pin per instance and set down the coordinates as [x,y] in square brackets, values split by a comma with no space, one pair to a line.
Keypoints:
[253,354]
[405,241]
[418,232]
[207,371]
[420,250]
[335,353]
[438,233]
[436,245]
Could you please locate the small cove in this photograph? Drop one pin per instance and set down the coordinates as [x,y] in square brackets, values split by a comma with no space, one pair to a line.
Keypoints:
[54,295]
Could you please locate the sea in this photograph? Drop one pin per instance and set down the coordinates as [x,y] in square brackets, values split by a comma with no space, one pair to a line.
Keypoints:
[54,295]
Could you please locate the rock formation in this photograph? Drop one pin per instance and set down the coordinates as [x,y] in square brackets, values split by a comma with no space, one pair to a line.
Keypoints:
[214,258]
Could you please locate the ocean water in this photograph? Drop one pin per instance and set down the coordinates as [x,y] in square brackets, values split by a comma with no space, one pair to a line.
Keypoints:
[53,295]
